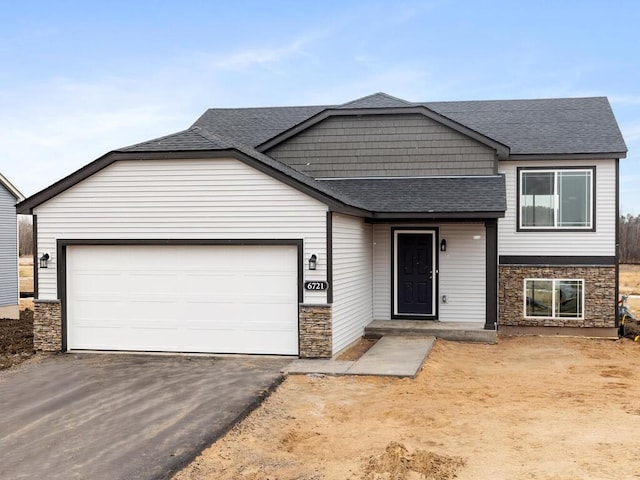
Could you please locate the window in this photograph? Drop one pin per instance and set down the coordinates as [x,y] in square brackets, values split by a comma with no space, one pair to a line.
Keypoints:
[554,298]
[556,199]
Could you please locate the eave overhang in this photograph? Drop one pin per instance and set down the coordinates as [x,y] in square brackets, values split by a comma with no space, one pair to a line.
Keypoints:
[566,156]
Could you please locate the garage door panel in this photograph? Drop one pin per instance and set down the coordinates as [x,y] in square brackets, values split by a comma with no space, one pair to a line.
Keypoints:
[183,298]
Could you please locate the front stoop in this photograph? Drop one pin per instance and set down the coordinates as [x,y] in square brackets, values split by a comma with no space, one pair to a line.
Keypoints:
[454,331]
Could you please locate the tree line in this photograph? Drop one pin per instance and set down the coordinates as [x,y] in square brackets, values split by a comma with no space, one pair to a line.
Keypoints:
[629,239]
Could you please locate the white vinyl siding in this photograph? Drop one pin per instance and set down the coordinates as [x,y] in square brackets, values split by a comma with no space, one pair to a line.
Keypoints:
[598,243]
[352,279]
[8,249]
[182,199]
[462,272]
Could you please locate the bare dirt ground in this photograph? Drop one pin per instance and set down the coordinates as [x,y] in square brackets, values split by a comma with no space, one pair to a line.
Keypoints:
[526,408]
[16,339]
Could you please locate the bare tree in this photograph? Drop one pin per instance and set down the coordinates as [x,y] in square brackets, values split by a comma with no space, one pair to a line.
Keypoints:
[25,235]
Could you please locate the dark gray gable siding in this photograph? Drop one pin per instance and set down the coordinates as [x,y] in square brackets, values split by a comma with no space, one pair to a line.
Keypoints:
[8,249]
[384,145]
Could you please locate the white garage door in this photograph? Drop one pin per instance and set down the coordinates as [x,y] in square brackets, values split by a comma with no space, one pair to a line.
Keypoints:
[219,299]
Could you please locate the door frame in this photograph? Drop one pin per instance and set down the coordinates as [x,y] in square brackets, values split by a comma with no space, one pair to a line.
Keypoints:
[434,232]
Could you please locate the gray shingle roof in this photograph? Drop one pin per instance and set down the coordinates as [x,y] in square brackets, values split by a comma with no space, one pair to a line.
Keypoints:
[545,126]
[426,195]
[253,126]
[377,100]
[187,140]
[528,127]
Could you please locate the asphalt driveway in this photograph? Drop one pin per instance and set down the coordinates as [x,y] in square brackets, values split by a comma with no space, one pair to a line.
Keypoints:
[115,416]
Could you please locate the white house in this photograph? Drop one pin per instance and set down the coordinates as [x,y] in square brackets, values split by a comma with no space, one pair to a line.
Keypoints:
[9,284]
[288,230]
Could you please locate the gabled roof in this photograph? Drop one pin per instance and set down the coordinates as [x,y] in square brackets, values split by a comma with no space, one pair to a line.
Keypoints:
[560,127]
[10,188]
[516,129]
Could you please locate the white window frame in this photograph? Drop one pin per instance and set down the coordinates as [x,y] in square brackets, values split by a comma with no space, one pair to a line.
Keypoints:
[553,298]
[556,198]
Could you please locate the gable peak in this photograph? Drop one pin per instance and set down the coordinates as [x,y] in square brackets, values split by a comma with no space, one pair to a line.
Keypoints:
[376,100]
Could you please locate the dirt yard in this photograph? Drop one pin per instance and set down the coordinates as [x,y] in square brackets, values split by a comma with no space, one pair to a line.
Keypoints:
[526,408]
[16,339]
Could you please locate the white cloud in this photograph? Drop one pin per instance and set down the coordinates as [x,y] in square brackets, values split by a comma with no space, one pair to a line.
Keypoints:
[260,57]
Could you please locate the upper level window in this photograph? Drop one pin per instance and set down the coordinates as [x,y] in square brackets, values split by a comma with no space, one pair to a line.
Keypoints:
[561,199]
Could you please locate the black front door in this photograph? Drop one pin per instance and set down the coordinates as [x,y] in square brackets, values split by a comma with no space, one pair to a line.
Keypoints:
[414,294]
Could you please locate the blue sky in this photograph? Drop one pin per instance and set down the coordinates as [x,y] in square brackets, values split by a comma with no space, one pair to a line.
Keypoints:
[78,79]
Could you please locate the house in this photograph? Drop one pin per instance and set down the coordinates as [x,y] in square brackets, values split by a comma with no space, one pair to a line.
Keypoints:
[287,230]
[9,283]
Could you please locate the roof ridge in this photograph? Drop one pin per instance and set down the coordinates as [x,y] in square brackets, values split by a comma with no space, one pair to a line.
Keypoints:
[373,96]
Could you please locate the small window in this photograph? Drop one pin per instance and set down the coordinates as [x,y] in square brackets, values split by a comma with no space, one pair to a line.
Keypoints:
[560,199]
[554,298]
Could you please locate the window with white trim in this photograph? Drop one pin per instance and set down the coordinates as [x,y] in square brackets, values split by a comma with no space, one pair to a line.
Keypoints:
[553,298]
[561,199]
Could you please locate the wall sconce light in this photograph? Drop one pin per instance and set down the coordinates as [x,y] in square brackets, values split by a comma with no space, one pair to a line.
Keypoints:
[44,260]
[313,262]
[443,245]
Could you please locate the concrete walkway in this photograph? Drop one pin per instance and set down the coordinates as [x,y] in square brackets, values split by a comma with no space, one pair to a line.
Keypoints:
[391,356]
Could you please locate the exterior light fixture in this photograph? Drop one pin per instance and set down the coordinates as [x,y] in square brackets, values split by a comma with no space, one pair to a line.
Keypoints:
[313,262]
[443,245]
[44,260]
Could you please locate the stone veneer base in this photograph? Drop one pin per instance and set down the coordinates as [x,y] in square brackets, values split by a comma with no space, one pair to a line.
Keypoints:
[600,295]
[315,331]
[47,325]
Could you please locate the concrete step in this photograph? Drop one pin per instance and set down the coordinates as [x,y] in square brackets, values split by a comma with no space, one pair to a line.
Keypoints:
[454,331]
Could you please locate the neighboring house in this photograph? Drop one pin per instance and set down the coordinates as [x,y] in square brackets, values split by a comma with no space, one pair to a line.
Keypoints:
[9,282]
[501,214]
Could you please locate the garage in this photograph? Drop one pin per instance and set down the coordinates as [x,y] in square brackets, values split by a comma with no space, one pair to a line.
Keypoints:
[183,298]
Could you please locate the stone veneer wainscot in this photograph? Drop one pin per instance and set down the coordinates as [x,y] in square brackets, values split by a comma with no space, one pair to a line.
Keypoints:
[315,331]
[47,325]
[599,294]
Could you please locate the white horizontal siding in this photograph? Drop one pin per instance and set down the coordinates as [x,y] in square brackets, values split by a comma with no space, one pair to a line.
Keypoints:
[462,272]
[381,271]
[600,242]
[352,279]
[8,249]
[182,199]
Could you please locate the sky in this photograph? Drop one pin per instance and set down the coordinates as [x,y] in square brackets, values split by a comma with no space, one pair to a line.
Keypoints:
[81,78]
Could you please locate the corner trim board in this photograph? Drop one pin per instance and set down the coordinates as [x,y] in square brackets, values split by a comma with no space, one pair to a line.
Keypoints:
[491,287]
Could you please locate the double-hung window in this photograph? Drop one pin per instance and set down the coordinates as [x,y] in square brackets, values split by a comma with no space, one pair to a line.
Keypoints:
[556,199]
[554,298]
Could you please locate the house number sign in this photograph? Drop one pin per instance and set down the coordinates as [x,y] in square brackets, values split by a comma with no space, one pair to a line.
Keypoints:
[316,286]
